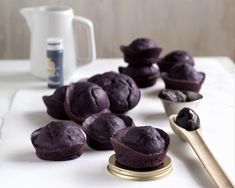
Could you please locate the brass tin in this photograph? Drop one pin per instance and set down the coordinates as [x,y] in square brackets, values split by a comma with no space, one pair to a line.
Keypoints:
[156,173]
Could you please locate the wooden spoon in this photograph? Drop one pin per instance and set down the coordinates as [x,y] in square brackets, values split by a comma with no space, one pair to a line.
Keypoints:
[204,154]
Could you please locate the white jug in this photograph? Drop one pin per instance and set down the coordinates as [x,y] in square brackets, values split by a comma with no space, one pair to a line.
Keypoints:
[55,21]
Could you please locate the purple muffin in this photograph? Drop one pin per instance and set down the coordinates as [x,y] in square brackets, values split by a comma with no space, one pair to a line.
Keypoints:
[183,77]
[55,103]
[141,51]
[140,147]
[187,72]
[173,58]
[122,91]
[84,99]
[58,141]
[100,127]
[145,76]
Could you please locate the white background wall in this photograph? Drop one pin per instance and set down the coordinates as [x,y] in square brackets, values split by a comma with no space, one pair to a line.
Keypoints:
[203,27]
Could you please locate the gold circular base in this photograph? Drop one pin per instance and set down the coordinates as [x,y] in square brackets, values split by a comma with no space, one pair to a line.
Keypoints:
[164,169]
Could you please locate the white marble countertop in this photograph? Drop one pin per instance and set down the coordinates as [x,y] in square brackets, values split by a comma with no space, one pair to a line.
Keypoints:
[216,112]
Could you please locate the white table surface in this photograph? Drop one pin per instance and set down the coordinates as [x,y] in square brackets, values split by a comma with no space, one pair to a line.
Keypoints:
[15,74]
[216,112]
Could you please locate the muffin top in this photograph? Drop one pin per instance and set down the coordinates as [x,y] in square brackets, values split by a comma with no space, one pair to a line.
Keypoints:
[183,71]
[173,58]
[179,56]
[57,135]
[142,44]
[121,89]
[144,139]
[84,99]
[103,126]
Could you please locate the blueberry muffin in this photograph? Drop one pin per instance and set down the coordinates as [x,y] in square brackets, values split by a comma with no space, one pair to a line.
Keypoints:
[84,99]
[141,52]
[100,127]
[58,141]
[140,147]
[173,58]
[122,91]
[183,77]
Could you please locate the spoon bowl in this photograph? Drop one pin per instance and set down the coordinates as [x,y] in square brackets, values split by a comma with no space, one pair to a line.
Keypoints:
[177,129]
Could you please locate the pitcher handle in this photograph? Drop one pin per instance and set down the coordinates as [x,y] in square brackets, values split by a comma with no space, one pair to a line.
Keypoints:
[90,37]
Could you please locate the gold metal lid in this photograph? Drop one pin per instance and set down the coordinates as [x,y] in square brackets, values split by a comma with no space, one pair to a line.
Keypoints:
[164,169]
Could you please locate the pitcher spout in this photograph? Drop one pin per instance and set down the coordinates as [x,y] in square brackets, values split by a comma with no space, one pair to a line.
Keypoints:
[28,15]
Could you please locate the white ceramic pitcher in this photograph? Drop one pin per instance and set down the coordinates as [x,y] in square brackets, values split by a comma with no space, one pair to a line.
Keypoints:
[55,21]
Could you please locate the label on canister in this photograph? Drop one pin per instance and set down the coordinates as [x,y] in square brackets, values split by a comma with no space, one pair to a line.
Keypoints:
[55,62]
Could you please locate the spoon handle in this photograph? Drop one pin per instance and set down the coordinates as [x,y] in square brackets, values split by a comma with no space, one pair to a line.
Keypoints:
[208,160]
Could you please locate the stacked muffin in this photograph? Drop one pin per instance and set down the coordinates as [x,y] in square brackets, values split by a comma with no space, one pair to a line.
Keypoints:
[178,72]
[141,55]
